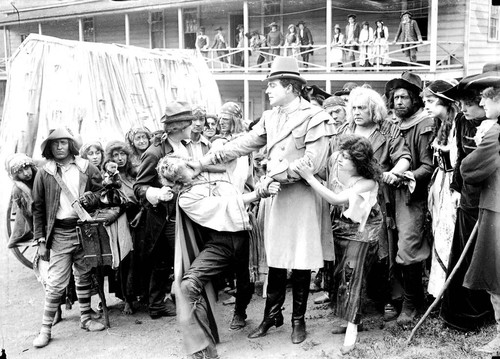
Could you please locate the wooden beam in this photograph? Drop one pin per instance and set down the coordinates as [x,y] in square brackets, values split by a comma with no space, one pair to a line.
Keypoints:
[40,29]
[245,42]
[127,29]
[328,33]
[180,20]
[80,29]
[433,15]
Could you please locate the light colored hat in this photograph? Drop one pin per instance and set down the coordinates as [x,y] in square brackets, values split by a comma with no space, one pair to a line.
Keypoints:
[58,133]
[285,68]
[333,101]
[15,162]
[177,111]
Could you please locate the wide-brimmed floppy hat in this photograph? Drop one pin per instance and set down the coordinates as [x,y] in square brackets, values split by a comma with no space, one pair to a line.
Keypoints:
[285,68]
[439,87]
[408,80]
[57,134]
[489,77]
[177,111]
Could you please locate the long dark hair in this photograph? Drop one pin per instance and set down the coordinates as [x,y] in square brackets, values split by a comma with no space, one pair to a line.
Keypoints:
[361,152]
[47,151]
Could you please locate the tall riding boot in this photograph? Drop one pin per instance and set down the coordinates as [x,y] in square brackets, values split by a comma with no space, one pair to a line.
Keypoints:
[413,292]
[300,285]
[276,291]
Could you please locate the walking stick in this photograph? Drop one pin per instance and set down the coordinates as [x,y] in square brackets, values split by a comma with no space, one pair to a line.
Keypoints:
[448,280]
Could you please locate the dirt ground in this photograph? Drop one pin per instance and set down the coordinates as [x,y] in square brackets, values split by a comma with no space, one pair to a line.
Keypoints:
[138,336]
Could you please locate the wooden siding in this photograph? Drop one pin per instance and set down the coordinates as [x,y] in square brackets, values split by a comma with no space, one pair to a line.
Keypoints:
[110,29]
[66,29]
[451,20]
[481,49]
[139,29]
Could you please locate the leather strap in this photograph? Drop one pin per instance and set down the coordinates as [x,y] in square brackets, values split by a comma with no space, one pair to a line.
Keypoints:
[80,211]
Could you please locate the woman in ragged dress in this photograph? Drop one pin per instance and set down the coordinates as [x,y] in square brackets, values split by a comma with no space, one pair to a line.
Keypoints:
[351,188]
[442,209]
[381,44]
[292,41]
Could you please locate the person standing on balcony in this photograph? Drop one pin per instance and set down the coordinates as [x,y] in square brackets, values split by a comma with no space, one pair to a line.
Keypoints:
[219,44]
[257,41]
[202,41]
[306,42]
[240,38]
[381,36]
[297,217]
[366,43]
[351,39]
[409,33]
[337,53]
[275,40]
[417,128]
[292,41]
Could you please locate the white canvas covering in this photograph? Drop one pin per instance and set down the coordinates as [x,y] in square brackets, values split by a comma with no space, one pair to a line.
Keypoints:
[98,90]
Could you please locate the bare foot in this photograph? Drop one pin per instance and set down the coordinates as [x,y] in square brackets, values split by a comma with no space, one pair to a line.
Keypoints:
[128,309]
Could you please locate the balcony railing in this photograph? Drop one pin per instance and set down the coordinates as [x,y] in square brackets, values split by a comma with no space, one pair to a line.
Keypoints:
[448,57]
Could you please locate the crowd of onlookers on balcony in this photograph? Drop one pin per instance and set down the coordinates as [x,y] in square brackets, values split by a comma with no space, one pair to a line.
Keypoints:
[353,45]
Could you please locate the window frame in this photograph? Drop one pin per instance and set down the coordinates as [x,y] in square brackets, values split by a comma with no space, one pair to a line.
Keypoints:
[494,14]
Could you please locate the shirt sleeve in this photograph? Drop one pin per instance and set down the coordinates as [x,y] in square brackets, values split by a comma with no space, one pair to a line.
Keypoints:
[484,160]
[222,213]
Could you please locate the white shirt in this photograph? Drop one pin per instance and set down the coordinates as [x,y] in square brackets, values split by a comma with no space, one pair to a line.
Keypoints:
[71,177]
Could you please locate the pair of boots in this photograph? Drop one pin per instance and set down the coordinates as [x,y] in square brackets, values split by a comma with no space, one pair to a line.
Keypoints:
[413,293]
[276,292]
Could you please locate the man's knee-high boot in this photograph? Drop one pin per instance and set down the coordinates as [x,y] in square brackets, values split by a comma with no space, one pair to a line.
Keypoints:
[276,291]
[300,283]
[413,292]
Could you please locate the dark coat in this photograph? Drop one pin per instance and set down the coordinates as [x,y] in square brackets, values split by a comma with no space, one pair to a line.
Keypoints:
[155,217]
[46,194]
[306,40]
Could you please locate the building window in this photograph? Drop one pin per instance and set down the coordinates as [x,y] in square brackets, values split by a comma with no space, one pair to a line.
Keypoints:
[157,29]
[88,29]
[493,29]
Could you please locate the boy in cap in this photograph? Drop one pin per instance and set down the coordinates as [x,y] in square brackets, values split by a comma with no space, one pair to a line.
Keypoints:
[220,43]
[275,40]
[62,180]
[351,34]
[306,42]
[292,130]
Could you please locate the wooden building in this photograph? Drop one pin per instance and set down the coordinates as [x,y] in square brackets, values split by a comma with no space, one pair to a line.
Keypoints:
[459,36]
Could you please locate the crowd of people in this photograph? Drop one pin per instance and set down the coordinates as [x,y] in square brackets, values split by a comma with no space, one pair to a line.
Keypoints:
[370,191]
[369,44]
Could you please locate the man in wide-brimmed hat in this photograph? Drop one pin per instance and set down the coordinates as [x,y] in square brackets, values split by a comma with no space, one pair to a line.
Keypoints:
[417,128]
[292,130]
[58,185]
[159,203]
[409,32]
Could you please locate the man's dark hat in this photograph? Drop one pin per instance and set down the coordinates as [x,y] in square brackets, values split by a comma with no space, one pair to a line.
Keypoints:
[489,77]
[201,28]
[351,15]
[407,12]
[285,68]
[408,80]
[346,90]
[177,111]
[301,22]
[239,27]
[57,134]
[313,91]
[219,28]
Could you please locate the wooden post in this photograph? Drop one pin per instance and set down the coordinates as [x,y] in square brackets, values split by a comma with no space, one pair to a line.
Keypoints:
[328,34]
[246,99]
[40,28]
[180,20]
[433,15]
[127,30]
[80,29]
[245,46]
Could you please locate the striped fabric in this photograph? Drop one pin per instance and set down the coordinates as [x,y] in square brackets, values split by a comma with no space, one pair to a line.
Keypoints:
[49,312]
[83,294]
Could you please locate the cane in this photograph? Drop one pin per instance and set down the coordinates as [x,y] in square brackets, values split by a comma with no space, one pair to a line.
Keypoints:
[448,280]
